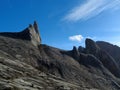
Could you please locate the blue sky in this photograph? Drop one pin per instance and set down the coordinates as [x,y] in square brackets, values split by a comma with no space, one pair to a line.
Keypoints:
[64,23]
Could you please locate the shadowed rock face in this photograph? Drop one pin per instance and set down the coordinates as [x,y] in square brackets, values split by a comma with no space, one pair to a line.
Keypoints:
[113,50]
[26,64]
[90,60]
[91,46]
[103,56]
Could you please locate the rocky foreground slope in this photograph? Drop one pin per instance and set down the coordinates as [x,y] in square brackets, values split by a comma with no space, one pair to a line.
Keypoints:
[26,64]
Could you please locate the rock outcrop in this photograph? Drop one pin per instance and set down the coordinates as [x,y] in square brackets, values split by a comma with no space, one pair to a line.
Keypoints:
[112,50]
[31,33]
[26,64]
[34,34]
[91,47]
[103,56]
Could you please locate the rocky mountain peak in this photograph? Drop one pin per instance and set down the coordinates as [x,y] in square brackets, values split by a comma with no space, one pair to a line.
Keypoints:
[91,46]
[33,32]
[36,26]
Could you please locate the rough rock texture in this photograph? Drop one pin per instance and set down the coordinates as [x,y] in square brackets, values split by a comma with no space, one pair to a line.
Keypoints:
[26,64]
[104,57]
[113,50]
[91,47]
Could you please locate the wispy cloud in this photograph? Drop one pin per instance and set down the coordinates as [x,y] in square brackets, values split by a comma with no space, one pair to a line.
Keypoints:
[91,8]
[77,38]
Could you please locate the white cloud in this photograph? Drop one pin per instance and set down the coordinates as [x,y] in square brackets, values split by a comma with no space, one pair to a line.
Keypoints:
[76,38]
[91,8]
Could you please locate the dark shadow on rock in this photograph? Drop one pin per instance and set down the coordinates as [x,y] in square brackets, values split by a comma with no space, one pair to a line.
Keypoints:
[24,35]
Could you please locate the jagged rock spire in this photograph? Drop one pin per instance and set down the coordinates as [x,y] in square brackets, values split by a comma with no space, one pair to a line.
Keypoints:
[91,46]
[31,33]
[36,27]
[34,34]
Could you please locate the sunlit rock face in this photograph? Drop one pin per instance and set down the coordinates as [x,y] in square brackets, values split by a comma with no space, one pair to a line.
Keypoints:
[34,34]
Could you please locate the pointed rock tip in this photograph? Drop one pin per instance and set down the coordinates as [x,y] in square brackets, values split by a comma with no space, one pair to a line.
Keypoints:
[75,49]
[35,22]
[89,41]
[36,27]
[32,33]
[30,25]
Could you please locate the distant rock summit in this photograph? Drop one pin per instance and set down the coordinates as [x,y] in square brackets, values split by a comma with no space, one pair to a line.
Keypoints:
[31,33]
[27,64]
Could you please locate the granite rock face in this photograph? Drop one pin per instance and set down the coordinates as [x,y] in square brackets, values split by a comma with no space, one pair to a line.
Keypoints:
[91,46]
[103,56]
[34,34]
[27,64]
[112,50]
